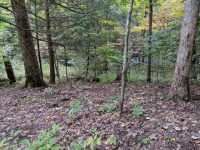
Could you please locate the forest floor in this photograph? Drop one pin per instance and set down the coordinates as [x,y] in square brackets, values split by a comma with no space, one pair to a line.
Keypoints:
[165,124]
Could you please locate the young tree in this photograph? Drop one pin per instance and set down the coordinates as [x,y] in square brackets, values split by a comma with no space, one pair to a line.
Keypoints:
[32,72]
[127,32]
[150,37]
[180,84]
[50,44]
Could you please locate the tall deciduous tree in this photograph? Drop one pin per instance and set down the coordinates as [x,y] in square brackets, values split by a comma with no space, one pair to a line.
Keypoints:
[180,84]
[50,44]
[127,32]
[32,72]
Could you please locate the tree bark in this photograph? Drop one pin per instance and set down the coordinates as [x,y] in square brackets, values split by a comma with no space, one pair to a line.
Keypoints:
[66,63]
[180,84]
[150,38]
[50,44]
[57,64]
[32,73]
[124,70]
[37,40]
[119,75]
[9,70]
[194,62]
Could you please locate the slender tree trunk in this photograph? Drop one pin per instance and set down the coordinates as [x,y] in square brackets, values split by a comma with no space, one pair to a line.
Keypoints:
[57,64]
[124,70]
[66,62]
[88,61]
[9,70]
[50,44]
[37,40]
[144,34]
[180,84]
[150,38]
[32,72]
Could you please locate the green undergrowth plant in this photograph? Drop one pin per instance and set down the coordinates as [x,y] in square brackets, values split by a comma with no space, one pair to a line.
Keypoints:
[11,140]
[160,96]
[28,99]
[45,141]
[49,91]
[143,141]
[112,139]
[106,107]
[75,106]
[114,97]
[79,144]
[137,109]
[92,141]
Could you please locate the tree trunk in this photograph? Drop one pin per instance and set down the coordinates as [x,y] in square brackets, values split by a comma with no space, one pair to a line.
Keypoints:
[9,70]
[124,70]
[180,84]
[88,61]
[37,40]
[50,44]
[150,38]
[119,75]
[57,64]
[144,34]
[194,62]
[66,63]
[32,72]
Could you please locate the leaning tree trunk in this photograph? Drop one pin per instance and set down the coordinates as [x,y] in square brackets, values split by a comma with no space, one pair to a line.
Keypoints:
[32,72]
[50,44]
[180,84]
[124,69]
[9,70]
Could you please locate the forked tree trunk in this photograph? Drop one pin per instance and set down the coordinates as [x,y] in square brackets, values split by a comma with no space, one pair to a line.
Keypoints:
[124,70]
[50,44]
[180,84]
[9,70]
[32,72]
